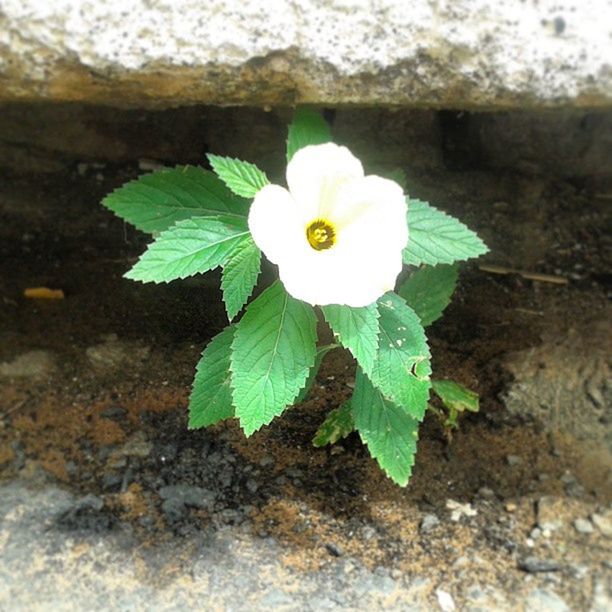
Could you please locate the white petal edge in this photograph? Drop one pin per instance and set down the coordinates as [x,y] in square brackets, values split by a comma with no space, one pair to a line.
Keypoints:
[341,280]
[316,173]
[275,223]
[370,213]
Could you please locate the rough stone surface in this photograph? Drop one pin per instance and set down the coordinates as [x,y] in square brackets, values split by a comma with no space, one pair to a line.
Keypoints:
[33,364]
[580,398]
[454,54]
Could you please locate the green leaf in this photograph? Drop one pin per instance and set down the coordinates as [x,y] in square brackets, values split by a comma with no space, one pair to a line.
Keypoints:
[402,367]
[357,329]
[338,424]
[157,200]
[240,274]
[389,431]
[243,178]
[455,396]
[435,237]
[273,351]
[211,395]
[191,246]
[307,128]
[428,291]
[321,352]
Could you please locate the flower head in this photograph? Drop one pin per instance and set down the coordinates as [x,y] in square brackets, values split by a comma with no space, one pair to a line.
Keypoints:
[336,235]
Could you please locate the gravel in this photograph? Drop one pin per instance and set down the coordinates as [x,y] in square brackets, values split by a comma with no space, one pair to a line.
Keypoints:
[429,522]
[583,526]
[543,600]
[534,565]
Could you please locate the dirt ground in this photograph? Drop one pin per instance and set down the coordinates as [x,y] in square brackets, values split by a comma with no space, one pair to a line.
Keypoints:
[513,513]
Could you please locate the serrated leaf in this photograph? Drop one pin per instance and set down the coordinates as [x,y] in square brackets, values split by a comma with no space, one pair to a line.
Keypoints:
[211,395]
[321,352]
[402,367]
[307,128]
[156,201]
[272,353]
[357,329]
[455,396]
[390,433]
[189,247]
[243,178]
[428,291]
[435,237]
[338,424]
[240,274]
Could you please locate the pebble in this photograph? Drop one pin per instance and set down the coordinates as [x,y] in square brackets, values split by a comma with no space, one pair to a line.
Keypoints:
[603,522]
[266,461]
[534,565]
[445,601]
[334,550]
[459,510]
[111,481]
[513,460]
[602,597]
[583,526]
[429,522]
[486,493]
[252,485]
[543,600]
[33,364]
[114,412]
[176,499]
[549,510]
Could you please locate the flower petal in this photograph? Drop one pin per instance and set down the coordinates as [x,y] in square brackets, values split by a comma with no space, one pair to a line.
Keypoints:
[316,173]
[340,277]
[370,213]
[275,223]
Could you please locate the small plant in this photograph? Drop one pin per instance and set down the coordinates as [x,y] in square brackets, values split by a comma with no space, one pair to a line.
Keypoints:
[339,239]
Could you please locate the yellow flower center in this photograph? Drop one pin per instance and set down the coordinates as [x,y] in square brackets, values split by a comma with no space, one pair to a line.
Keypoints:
[321,234]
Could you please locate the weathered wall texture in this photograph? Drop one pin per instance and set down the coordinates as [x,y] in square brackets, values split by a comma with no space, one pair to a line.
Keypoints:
[473,54]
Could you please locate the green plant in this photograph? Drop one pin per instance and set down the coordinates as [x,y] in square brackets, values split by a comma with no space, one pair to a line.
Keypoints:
[339,239]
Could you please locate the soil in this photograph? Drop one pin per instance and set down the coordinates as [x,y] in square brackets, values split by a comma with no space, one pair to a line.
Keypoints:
[101,418]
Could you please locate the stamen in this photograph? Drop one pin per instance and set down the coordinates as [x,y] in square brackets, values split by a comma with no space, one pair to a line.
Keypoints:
[321,234]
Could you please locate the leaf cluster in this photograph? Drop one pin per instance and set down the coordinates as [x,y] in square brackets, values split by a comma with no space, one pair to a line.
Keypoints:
[268,359]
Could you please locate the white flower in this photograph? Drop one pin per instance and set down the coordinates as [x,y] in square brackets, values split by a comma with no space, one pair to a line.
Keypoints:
[336,235]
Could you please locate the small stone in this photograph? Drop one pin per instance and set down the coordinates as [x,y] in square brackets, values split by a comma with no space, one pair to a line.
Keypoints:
[112,481]
[445,601]
[542,600]
[266,461]
[510,507]
[187,495]
[602,597]
[534,565]
[459,510]
[33,364]
[549,511]
[89,501]
[568,478]
[535,533]
[114,412]
[513,460]
[486,493]
[603,522]
[583,526]
[334,550]
[252,485]
[429,522]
